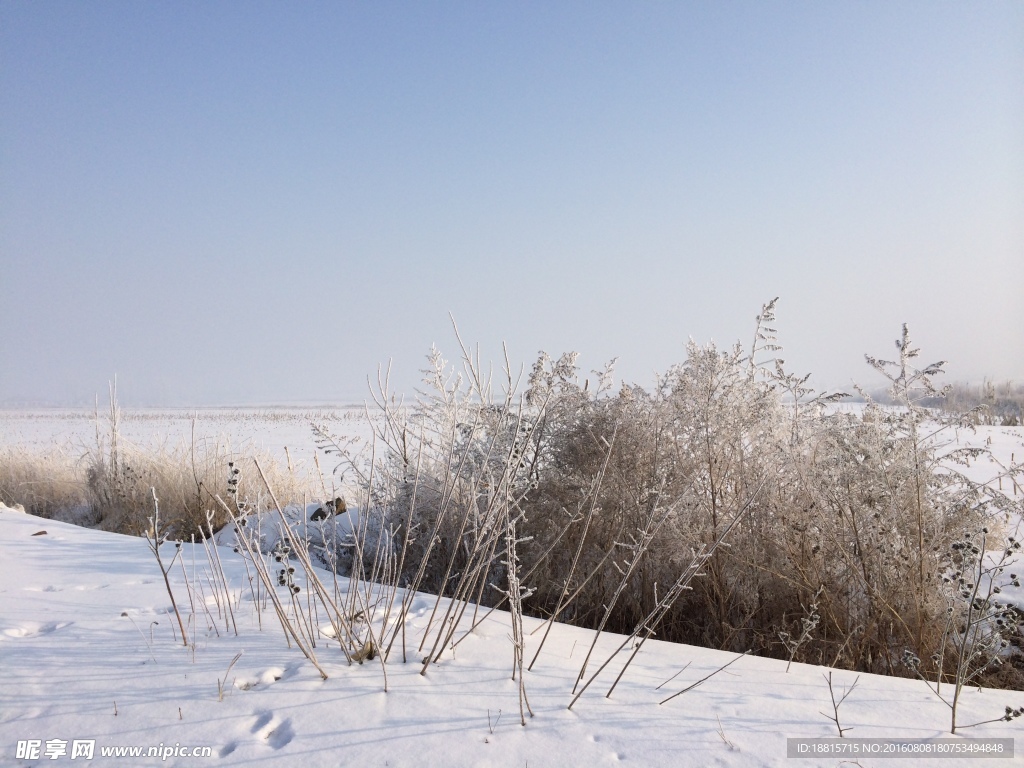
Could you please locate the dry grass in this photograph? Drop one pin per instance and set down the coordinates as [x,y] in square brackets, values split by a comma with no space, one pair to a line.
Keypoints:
[616,494]
[729,480]
[110,485]
[51,485]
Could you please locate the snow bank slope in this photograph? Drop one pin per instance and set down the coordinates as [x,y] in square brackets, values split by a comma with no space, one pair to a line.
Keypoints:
[87,652]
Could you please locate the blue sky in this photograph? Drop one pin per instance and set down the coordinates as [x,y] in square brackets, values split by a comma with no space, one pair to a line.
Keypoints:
[262,202]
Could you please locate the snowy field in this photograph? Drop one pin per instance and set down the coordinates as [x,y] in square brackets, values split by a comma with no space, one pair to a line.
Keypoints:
[286,432]
[1004,444]
[87,653]
[278,430]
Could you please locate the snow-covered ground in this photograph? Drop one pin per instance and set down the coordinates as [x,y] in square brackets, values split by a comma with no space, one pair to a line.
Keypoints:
[87,652]
[286,432]
[1005,446]
[271,429]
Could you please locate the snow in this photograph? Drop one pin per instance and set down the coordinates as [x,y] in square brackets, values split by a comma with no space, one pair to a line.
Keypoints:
[88,651]
[286,432]
[283,432]
[1005,446]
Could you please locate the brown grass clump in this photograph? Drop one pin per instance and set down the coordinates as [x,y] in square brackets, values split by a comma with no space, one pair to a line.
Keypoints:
[110,485]
[50,485]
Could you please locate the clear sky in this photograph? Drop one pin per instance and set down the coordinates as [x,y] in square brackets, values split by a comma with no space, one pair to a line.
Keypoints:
[235,202]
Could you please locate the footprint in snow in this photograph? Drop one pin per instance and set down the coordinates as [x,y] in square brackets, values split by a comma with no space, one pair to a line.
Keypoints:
[50,588]
[262,720]
[269,677]
[32,629]
[281,736]
[272,675]
[228,748]
[276,733]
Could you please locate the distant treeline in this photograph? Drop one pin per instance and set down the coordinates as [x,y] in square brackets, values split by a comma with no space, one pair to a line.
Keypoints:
[986,403]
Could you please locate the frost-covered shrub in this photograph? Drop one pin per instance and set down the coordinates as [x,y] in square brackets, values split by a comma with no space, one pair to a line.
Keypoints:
[439,480]
[850,511]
